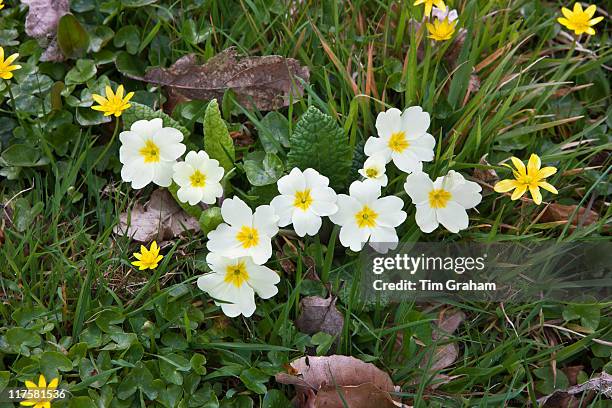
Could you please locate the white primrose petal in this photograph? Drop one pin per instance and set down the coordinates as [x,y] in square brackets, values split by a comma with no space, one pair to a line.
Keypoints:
[189,195]
[223,240]
[263,280]
[306,223]
[292,182]
[243,301]
[147,127]
[418,185]
[131,140]
[314,179]
[414,121]
[265,220]
[426,218]
[236,212]
[168,136]
[213,284]
[347,208]
[388,122]
[453,217]
[324,208]
[423,147]
[376,146]
[210,193]
[138,174]
[389,210]
[407,161]
[217,262]
[162,173]
[262,252]
[283,207]
[353,237]
[383,239]
[365,191]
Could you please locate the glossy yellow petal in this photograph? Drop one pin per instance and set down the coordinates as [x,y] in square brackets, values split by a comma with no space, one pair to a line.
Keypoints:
[440,4]
[109,92]
[518,192]
[520,167]
[120,91]
[595,20]
[99,99]
[1,54]
[563,21]
[533,166]
[28,403]
[53,384]
[505,186]
[567,13]
[546,172]
[6,75]
[536,195]
[128,97]
[159,258]
[577,7]
[42,383]
[590,31]
[590,11]
[30,385]
[548,187]
[10,59]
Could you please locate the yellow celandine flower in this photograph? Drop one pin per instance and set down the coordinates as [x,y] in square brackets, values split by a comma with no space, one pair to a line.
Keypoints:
[1,4]
[6,69]
[429,5]
[148,258]
[533,177]
[114,103]
[41,393]
[441,30]
[580,21]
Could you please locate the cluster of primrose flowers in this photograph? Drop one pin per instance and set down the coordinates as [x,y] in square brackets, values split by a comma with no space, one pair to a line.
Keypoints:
[242,244]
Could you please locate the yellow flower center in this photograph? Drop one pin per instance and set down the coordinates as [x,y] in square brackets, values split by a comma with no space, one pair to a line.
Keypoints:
[197,179]
[303,200]
[248,237]
[236,274]
[371,172]
[366,217]
[529,181]
[150,152]
[398,142]
[438,198]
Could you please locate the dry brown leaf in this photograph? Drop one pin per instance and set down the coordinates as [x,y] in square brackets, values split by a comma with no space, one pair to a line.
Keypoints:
[161,219]
[558,212]
[320,374]
[41,23]
[600,384]
[267,83]
[356,396]
[319,315]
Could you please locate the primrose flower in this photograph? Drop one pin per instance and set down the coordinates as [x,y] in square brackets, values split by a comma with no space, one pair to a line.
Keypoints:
[443,201]
[363,217]
[6,69]
[533,177]
[42,390]
[374,169]
[441,30]
[148,153]
[244,233]
[147,258]
[199,178]
[234,282]
[114,103]
[429,5]
[304,198]
[441,14]
[580,21]
[403,138]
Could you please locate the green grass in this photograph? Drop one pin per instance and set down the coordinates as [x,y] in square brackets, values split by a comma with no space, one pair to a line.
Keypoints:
[73,305]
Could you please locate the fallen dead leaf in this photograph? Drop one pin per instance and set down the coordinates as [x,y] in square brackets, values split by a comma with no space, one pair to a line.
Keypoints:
[319,315]
[41,23]
[267,83]
[161,219]
[358,381]
[558,212]
[561,398]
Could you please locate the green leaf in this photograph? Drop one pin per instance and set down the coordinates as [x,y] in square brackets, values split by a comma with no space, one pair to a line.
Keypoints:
[254,380]
[275,399]
[217,141]
[128,37]
[140,112]
[319,143]
[210,219]
[137,3]
[20,155]
[263,168]
[83,71]
[589,315]
[130,65]
[274,132]
[72,38]
[5,377]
